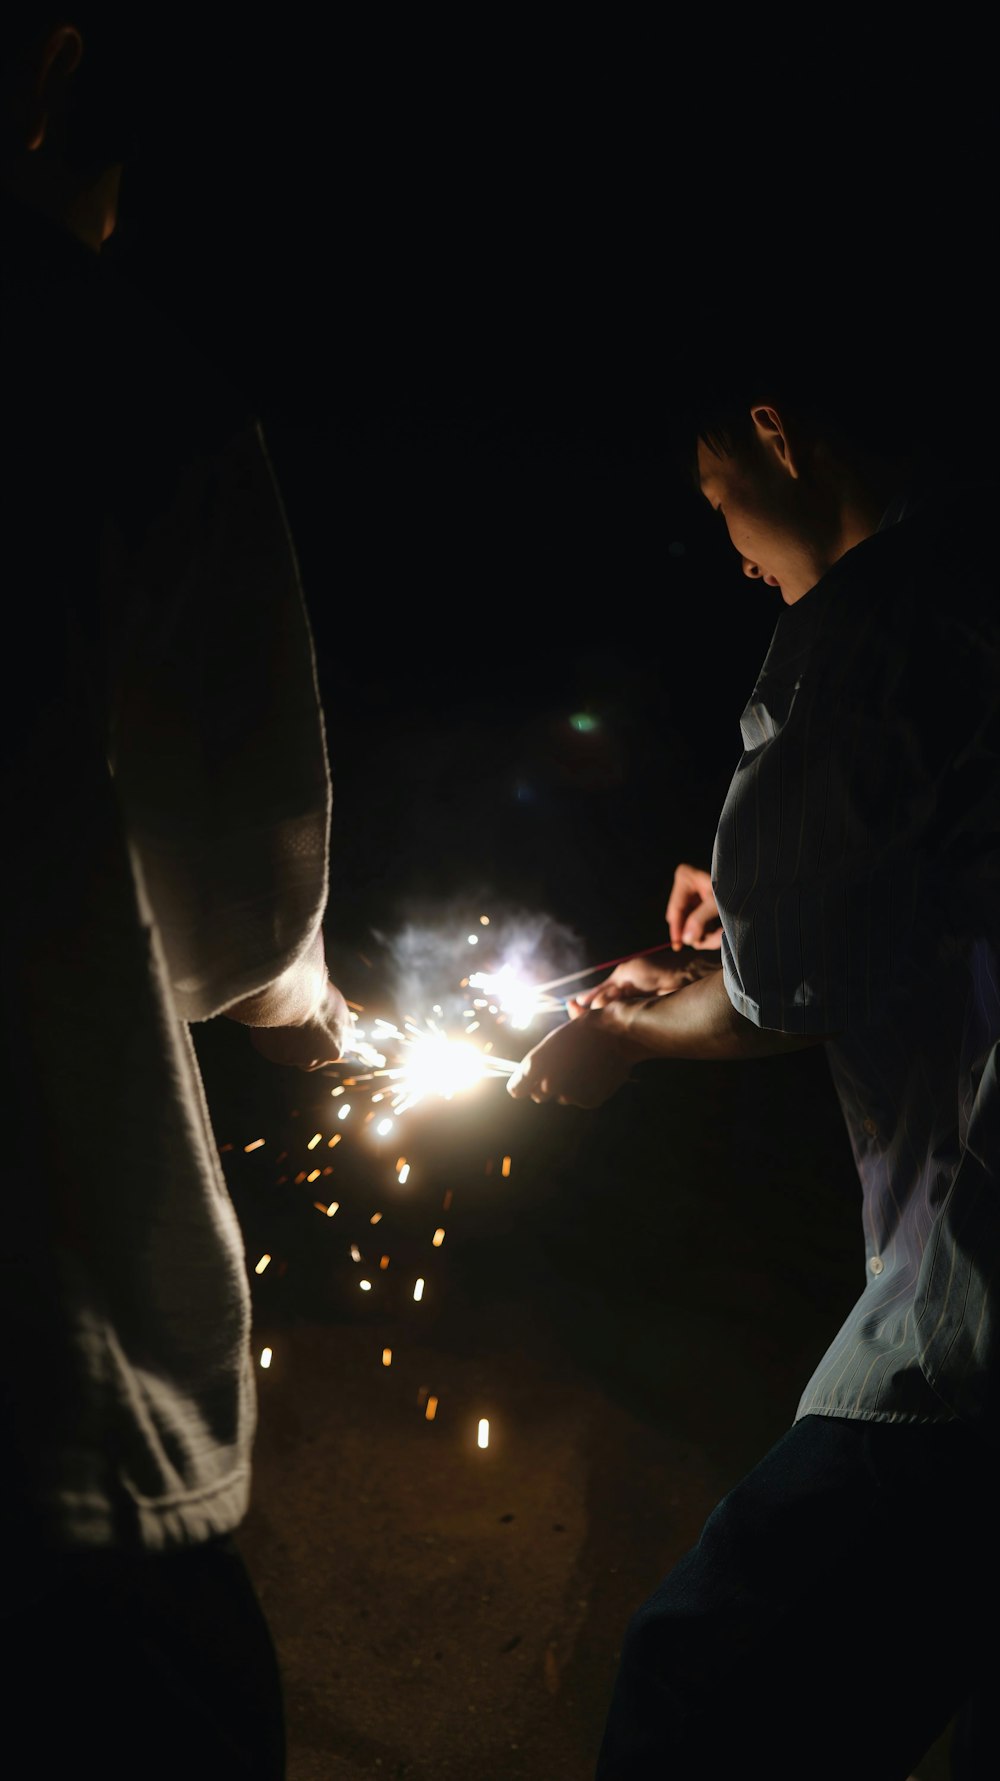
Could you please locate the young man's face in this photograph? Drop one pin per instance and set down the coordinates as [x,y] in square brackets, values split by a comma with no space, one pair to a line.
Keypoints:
[774,521]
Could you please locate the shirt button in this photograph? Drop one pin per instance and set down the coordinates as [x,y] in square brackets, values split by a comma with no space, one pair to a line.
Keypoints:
[876,1264]
[870,1127]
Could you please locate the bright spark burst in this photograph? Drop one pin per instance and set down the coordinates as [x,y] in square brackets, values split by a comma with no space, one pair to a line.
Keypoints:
[520,1000]
[433,1063]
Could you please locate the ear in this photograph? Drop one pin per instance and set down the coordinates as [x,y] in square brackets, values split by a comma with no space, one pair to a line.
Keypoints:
[772,432]
[57,62]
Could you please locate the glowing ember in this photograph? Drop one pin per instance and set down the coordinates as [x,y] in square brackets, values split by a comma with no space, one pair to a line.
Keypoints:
[418,1290]
[265,1357]
[520,1000]
[484,1431]
[262,1264]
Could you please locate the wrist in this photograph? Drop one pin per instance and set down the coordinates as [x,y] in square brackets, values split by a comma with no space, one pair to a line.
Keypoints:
[623,1020]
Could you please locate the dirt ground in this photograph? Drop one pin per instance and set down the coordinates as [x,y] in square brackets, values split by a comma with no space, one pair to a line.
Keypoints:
[634,1307]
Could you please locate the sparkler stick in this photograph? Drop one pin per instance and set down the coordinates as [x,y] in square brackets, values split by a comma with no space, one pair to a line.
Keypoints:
[429,1062]
[608,965]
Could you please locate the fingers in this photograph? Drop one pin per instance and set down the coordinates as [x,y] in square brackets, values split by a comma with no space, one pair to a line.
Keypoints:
[693,930]
[603,994]
[691,907]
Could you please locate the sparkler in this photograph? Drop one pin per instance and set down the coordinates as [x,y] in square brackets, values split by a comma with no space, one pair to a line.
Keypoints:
[431,1061]
[404,1063]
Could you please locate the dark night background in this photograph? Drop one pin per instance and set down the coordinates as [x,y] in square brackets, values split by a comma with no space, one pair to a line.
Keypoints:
[454,277]
[455,282]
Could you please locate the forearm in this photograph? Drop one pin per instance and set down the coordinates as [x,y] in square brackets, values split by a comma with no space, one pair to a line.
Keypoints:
[292,999]
[698,1021]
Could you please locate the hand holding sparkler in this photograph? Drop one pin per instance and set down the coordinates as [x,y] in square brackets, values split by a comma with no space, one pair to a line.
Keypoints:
[642,976]
[313,1043]
[581,1064]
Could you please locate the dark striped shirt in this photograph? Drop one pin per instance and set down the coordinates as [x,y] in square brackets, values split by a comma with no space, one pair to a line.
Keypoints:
[856,872]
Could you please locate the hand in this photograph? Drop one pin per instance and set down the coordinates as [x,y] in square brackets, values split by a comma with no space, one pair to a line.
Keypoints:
[580,1064]
[640,977]
[315,1043]
[692,912]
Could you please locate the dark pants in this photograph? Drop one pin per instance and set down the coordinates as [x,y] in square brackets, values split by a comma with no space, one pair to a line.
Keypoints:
[837,1612]
[158,1668]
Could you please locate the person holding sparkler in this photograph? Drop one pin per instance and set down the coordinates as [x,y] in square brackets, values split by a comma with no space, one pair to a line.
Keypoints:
[838,1610]
[166,809]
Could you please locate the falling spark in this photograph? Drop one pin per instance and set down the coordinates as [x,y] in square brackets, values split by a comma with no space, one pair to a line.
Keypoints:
[333,1207]
[265,1357]
[334,1140]
[343,1111]
[262,1264]
[384,1125]
[431,1410]
[365,1285]
[314,1175]
[505,1166]
[387,1357]
[254,1146]
[403,1173]
[438,1237]
[383,1261]
[316,1139]
[484,1431]
[355,1253]
[418,1290]
[375,1218]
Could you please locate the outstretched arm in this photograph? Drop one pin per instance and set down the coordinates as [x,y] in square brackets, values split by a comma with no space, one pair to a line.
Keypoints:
[586,1061]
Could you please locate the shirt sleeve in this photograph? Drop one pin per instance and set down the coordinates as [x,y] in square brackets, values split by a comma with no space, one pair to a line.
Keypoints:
[216,734]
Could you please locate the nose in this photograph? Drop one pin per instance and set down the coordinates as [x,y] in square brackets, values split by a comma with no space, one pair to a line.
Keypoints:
[750,568]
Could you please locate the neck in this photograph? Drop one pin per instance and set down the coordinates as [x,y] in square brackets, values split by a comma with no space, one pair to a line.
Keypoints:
[867,486]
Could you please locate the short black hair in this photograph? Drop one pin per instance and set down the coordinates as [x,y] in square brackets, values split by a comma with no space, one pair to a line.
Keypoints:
[894,366]
[843,368]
